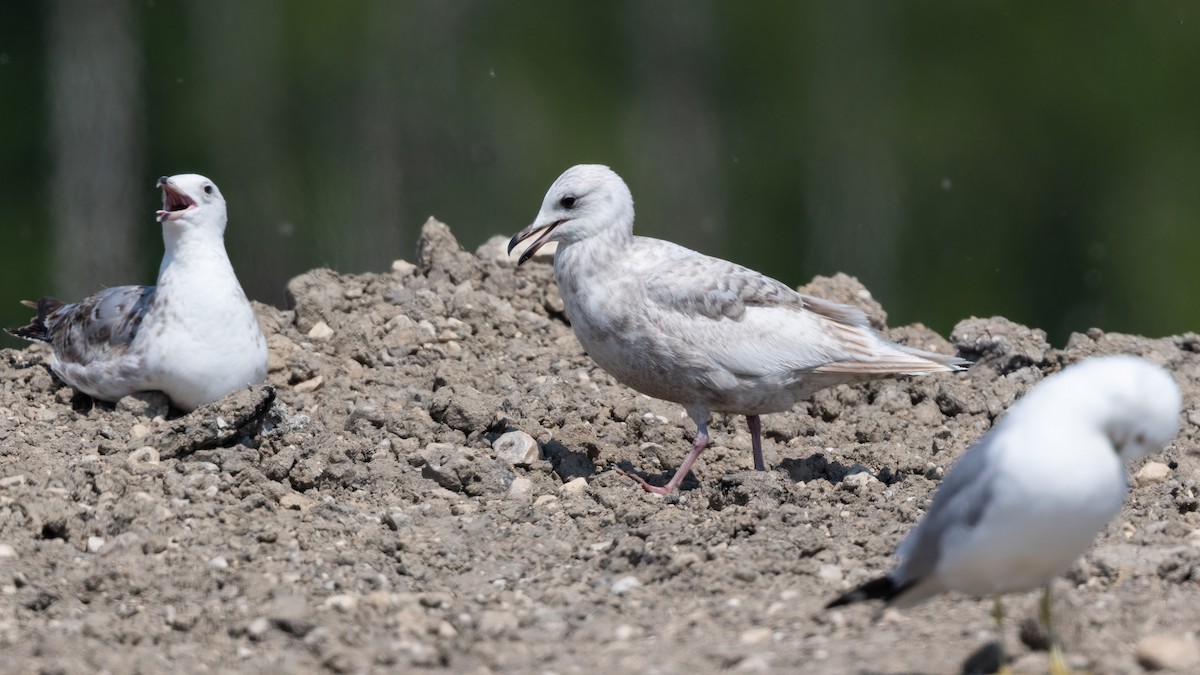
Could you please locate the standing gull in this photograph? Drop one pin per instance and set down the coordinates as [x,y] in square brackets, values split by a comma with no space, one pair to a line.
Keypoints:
[1026,501]
[700,331]
[194,336]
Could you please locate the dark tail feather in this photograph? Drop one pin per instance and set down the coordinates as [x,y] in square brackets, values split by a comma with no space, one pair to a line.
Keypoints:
[883,588]
[36,330]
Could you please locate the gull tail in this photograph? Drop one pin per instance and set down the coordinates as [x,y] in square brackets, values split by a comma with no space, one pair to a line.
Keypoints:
[883,588]
[898,360]
[36,330]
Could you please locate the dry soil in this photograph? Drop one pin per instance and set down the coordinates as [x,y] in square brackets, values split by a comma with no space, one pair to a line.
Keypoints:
[365,511]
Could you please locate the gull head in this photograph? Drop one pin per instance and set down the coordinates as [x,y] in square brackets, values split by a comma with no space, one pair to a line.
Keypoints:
[190,200]
[1133,402]
[587,200]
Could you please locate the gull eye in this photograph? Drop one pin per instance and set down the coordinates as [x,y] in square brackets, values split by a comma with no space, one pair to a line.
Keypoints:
[208,189]
[567,202]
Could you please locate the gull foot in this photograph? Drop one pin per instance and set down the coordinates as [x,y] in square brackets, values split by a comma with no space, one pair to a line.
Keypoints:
[642,481]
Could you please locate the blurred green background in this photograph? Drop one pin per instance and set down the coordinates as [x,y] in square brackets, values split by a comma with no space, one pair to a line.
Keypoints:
[1037,161]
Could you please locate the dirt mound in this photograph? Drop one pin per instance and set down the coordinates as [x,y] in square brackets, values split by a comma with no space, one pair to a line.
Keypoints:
[425,484]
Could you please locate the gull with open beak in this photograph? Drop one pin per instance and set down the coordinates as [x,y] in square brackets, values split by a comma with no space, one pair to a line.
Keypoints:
[193,336]
[700,331]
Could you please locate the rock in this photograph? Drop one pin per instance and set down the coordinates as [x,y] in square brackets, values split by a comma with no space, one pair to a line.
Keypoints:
[516,448]
[574,488]
[756,636]
[218,562]
[463,408]
[1150,473]
[403,268]
[241,412]
[521,488]
[94,544]
[831,573]
[7,551]
[295,501]
[440,257]
[309,386]
[1164,651]
[344,603]
[146,404]
[142,460]
[290,614]
[1005,345]
[463,469]
[625,584]
[320,331]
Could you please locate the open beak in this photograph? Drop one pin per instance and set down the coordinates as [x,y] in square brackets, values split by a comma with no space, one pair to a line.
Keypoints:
[175,202]
[546,230]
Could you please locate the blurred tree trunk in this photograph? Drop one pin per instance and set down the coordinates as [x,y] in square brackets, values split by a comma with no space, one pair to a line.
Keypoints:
[672,124]
[854,198]
[241,78]
[99,194]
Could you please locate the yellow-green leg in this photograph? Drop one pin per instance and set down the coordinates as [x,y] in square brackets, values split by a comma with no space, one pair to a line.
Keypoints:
[998,615]
[1058,663]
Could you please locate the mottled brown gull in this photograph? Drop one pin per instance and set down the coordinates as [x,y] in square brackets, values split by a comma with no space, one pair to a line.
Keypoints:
[193,336]
[700,331]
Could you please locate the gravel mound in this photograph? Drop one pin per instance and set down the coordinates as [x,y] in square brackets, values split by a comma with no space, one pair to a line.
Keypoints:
[425,484]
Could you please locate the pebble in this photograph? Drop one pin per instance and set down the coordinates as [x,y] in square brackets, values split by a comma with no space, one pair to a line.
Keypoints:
[520,488]
[830,572]
[1151,472]
[756,636]
[516,448]
[404,268]
[545,500]
[12,481]
[218,563]
[1163,651]
[574,488]
[295,501]
[344,602]
[320,331]
[139,431]
[7,551]
[625,584]
[94,544]
[257,629]
[142,460]
[310,385]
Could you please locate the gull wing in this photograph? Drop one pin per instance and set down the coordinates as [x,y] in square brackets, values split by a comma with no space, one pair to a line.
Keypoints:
[959,504]
[99,327]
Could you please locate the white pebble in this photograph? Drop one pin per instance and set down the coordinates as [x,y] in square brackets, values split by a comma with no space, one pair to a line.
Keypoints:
[516,448]
[625,584]
[574,488]
[320,331]
[1152,472]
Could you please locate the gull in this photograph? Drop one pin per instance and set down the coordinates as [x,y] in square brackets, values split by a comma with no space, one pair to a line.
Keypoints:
[1025,501]
[703,332]
[193,336]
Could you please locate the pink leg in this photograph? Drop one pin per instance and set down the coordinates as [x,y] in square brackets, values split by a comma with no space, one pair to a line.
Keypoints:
[698,446]
[755,425]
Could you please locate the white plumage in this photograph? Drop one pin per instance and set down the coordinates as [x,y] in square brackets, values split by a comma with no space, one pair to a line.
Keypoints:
[686,327]
[193,336]
[1023,503]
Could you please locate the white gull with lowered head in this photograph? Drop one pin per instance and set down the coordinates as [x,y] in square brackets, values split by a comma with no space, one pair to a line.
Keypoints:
[193,336]
[1025,501]
[703,332]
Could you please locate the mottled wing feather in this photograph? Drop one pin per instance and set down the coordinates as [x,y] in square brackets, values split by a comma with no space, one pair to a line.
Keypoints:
[101,326]
[699,285]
